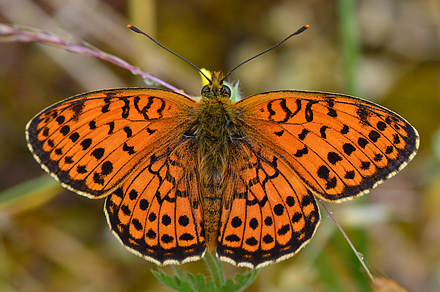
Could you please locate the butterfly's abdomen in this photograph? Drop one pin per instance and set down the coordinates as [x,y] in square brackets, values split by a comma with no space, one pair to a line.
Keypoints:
[214,131]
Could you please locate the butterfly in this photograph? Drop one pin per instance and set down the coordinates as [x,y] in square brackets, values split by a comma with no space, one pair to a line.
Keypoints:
[180,176]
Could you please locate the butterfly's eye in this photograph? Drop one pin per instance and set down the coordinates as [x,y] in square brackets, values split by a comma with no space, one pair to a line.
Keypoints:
[226,90]
[205,89]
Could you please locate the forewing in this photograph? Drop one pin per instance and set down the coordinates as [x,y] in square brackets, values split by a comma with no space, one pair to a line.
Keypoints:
[92,141]
[156,212]
[268,213]
[340,146]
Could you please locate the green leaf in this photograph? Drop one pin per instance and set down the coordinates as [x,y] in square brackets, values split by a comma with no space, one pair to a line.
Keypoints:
[177,283]
[241,281]
[187,282]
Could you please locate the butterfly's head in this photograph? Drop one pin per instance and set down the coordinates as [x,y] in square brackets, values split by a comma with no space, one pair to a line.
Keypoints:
[216,88]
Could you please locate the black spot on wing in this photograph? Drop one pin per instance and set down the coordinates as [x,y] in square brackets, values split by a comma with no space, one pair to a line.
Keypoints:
[303,134]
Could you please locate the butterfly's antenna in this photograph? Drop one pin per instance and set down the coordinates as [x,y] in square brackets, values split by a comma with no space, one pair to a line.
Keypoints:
[269,49]
[135,29]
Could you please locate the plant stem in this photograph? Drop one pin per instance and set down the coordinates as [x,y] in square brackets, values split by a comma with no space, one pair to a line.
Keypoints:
[349,241]
[349,31]
[215,269]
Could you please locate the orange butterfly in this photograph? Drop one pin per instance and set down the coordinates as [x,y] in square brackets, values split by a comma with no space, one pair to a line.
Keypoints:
[180,176]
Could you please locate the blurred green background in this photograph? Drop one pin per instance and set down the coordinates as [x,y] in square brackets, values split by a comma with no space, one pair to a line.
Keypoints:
[387,51]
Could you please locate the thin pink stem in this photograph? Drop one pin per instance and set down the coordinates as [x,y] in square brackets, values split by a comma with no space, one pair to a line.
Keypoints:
[11,34]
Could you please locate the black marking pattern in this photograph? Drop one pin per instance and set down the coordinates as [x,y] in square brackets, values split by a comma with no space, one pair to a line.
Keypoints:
[73,138]
[269,230]
[152,212]
[352,144]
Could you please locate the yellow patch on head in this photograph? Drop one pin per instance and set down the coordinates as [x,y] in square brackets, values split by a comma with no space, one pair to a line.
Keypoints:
[208,74]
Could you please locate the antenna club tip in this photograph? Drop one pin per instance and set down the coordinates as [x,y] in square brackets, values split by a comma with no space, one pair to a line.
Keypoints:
[134,28]
[306,26]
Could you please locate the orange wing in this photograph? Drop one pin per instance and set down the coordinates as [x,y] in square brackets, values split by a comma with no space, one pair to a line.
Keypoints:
[129,144]
[91,142]
[268,213]
[339,146]
[156,212]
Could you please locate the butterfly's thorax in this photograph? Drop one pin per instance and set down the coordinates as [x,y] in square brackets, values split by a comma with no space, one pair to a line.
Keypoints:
[215,127]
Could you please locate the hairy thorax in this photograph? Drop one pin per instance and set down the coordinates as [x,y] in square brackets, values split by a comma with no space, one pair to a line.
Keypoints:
[214,128]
